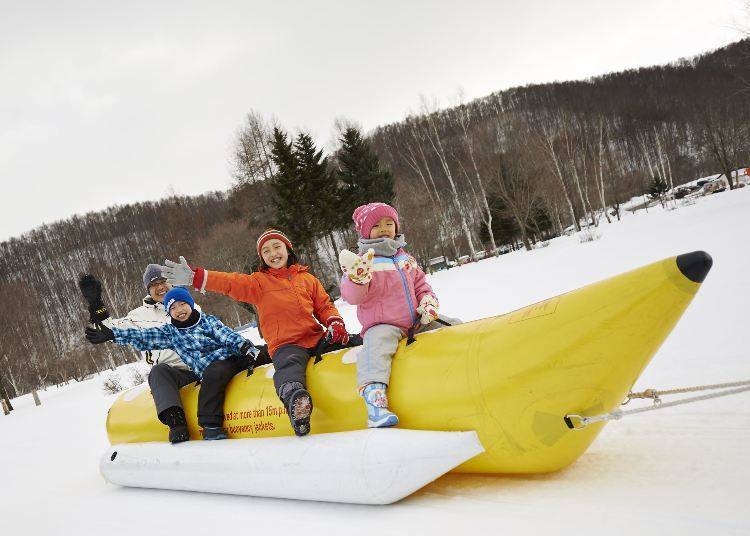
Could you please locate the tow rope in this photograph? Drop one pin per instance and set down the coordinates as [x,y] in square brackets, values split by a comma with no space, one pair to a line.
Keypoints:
[579,422]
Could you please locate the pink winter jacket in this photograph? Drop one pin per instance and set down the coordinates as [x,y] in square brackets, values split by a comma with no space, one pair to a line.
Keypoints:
[393,294]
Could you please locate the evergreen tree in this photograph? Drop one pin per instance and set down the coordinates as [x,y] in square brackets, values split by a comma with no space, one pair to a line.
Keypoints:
[320,187]
[361,177]
[305,193]
[657,188]
[292,215]
[541,224]
[504,227]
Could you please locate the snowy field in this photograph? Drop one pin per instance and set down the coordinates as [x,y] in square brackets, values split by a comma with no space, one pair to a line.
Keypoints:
[678,471]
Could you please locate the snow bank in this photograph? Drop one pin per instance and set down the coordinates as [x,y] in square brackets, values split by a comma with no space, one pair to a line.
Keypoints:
[683,470]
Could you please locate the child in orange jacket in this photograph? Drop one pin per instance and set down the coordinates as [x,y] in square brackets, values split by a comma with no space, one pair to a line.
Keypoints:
[292,304]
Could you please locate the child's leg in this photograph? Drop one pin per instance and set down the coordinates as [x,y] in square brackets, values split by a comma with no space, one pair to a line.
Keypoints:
[374,373]
[216,376]
[374,360]
[290,365]
[290,379]
[165,382]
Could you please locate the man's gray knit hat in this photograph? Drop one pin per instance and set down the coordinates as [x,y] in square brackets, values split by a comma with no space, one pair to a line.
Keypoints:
[152,273]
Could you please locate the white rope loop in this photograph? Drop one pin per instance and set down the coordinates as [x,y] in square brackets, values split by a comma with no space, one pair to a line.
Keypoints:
[578,422]
[654,394]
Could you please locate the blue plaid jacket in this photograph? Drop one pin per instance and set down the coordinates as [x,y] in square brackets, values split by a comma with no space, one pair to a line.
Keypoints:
[198,346]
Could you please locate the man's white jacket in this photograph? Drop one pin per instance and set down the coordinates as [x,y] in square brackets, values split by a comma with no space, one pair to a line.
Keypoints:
[149,315]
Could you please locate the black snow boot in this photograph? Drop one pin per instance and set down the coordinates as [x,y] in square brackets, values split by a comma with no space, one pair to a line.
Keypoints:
[174,417]
[214,433]
[299,405]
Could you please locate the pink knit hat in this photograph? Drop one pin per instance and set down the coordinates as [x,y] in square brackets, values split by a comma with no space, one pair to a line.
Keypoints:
[366,216]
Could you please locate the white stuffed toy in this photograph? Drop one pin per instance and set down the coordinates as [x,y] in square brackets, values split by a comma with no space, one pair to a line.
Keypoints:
[428,308]
[357,268]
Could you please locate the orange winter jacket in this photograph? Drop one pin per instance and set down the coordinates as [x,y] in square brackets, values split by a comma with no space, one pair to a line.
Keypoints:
[289,300]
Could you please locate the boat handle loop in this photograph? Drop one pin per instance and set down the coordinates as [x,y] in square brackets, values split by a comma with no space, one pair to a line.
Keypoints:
[579,422]
[410,332]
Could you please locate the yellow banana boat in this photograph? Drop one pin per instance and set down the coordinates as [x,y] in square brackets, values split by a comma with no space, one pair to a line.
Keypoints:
[512,378]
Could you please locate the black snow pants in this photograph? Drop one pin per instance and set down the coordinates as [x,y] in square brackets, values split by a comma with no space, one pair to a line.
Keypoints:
[290,364]
[216,377]
[290,361]
[165,382]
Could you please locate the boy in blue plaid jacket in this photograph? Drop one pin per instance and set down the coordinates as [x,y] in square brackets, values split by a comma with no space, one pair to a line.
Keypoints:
[213,351]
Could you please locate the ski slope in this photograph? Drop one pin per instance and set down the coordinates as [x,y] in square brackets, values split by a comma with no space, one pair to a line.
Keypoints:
[682,470]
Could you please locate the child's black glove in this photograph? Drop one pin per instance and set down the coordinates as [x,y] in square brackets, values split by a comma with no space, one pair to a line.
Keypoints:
[99,334]
[263,358]
[249,351]
[91,289]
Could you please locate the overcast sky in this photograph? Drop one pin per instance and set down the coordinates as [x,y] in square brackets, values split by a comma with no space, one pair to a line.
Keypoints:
[105,103]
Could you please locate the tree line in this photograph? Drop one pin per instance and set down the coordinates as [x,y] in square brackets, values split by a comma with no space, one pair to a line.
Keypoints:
[500,172]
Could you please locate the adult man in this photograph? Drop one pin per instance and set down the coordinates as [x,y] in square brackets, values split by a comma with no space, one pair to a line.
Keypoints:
[168,373]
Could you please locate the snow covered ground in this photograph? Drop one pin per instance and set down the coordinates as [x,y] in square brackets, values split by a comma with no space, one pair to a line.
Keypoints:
[683,470]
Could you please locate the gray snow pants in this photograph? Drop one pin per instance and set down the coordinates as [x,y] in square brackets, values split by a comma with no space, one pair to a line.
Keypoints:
[379,344]
[165,383]
[290,365]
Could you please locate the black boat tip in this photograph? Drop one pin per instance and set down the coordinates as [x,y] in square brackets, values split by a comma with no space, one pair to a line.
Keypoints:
[695,265]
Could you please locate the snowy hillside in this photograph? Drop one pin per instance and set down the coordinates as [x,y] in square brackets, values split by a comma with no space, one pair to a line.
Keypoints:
[682,470]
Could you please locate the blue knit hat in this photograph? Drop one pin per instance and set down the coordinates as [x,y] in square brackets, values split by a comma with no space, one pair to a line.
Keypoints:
[178,294]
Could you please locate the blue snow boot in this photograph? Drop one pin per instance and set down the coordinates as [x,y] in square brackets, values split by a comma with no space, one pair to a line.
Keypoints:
[378,415]
[214,433]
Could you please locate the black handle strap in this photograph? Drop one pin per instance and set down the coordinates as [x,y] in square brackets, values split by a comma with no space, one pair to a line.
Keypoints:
[410,332]
[261,359]
[325,345]
[322,342]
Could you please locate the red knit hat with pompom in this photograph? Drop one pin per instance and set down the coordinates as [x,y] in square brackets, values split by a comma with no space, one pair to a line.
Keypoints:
[270,234]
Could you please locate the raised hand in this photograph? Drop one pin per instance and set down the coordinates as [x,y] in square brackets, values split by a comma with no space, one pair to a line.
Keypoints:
[91,289]
[178,274]
[357,268]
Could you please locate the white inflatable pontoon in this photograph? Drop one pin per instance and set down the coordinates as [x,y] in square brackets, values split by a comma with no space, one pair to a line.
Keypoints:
[363,466]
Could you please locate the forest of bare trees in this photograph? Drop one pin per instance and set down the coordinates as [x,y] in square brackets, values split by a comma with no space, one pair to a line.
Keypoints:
[500,172]
[529,162]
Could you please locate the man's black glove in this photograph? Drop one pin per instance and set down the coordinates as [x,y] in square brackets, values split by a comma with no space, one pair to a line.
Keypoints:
[99,334]
[91,289]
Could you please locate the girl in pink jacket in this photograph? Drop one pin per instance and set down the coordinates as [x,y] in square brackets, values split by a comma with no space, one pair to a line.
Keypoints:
[391,294]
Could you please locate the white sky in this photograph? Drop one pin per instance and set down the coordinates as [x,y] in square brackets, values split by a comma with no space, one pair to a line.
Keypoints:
[106,102]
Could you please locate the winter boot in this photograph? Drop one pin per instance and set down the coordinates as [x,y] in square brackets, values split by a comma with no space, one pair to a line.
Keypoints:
[376,401]
[174,417]
[299,406]
[214,433]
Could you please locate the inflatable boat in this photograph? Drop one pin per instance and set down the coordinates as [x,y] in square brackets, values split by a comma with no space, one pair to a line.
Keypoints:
[511,378]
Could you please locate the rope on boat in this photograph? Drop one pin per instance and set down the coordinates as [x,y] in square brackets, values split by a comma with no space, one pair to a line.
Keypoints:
[578,422]
[655,395]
